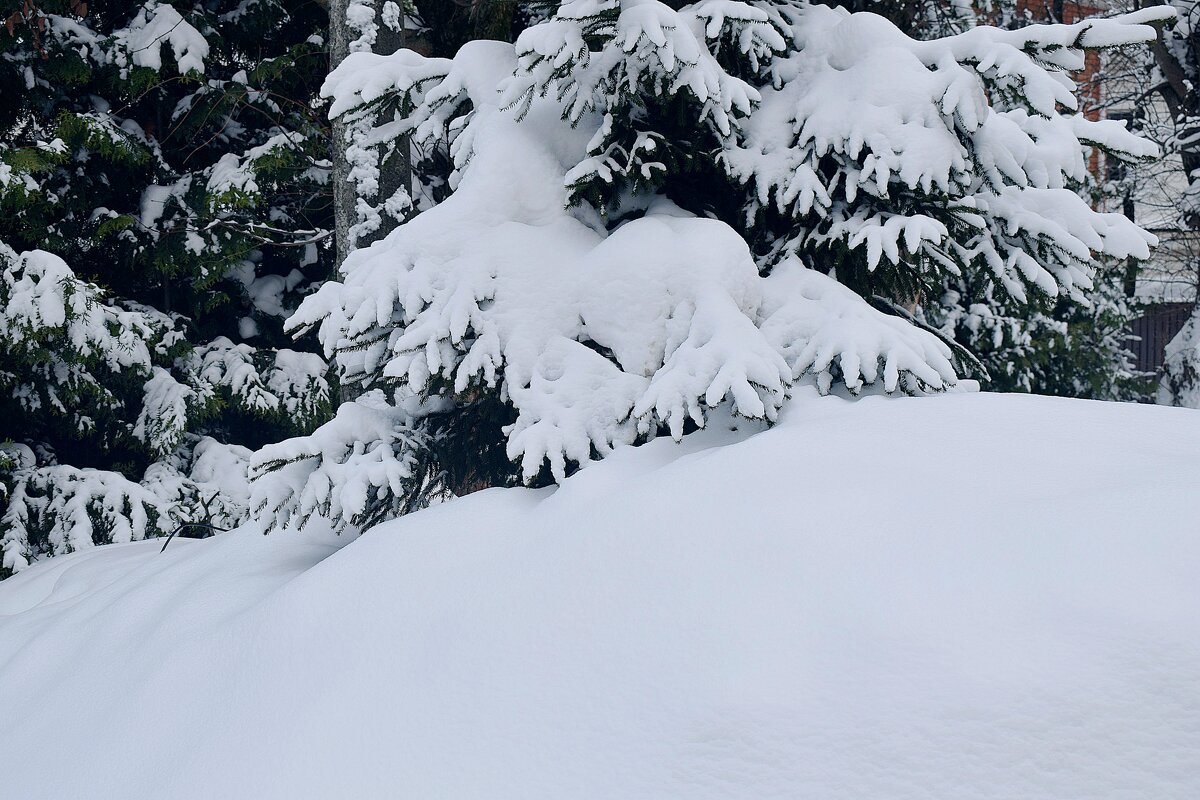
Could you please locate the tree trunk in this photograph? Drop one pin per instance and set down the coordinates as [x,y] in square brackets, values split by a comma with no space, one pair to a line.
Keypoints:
[343,191]
[396,171]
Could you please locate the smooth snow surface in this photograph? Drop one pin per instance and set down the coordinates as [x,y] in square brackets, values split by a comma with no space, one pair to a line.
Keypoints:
[967,596]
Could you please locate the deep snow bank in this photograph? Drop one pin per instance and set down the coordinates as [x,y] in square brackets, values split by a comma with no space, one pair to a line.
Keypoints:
[954,597]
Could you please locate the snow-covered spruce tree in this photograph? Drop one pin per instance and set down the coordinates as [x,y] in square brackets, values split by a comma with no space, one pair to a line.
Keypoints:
[164,188]
[654,212]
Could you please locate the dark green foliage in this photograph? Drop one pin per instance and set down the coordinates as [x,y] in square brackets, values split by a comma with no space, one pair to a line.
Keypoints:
[174,159]
[182,248]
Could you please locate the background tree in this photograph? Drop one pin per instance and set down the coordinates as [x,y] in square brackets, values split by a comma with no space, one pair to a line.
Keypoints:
[164,178]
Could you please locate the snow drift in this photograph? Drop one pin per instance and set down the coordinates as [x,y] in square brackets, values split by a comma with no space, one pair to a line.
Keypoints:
[964,596]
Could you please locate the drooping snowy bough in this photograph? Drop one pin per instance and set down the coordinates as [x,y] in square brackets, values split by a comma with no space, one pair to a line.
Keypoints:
[73,356]
[644,213]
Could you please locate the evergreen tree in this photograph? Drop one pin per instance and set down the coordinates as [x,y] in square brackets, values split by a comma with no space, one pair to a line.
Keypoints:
[164,179]
[643,214]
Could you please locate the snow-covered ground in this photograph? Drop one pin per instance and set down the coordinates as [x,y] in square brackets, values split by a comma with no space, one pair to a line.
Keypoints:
[968,596]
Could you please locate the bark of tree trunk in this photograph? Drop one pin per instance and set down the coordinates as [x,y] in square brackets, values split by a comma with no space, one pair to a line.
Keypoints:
[343,192]
[395,172]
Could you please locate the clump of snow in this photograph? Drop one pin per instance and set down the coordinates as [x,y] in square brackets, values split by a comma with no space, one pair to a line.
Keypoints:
[267,293]
[42,295]
[360,18]
[162,421]
[61,509]
[155,199]
[157,25]
[14,181]
[824,329]
[286,382]
[999,602]
[234,174]
[342,472]
[205,482]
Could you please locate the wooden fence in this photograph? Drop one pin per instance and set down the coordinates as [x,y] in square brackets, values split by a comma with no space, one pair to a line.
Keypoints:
[1153,331]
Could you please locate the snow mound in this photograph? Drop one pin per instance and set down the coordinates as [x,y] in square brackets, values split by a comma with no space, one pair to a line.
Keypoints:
[744,615]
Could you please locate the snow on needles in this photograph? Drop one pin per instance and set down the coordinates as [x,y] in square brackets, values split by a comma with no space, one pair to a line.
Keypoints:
[604,322]
[902,118]
[155,26]
[594,337]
